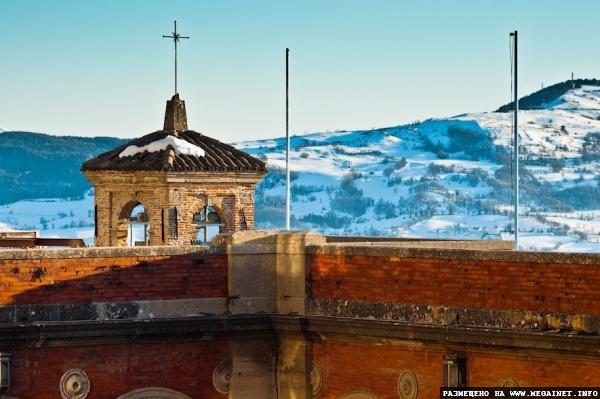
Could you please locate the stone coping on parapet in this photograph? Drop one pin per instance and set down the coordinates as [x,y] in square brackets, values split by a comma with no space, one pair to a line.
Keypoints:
[423,243]
[484,250]
[404,241]
[312,243]
[109,252]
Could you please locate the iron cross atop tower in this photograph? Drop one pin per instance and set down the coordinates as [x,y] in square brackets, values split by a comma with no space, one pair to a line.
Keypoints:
[176,36]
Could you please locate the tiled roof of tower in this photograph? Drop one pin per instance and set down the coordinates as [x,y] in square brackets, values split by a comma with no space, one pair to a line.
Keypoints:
[218,157]
[175,149]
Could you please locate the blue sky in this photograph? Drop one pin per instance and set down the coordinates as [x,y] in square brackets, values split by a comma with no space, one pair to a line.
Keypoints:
[102,68]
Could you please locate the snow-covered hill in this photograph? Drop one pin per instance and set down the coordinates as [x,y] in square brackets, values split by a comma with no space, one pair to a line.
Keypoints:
[440,178]
[56,218]
[446,177]
[52,217]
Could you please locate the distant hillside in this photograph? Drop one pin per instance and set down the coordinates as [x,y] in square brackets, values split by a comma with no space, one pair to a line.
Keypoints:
[34,165]
[548,94]
[440,178]
[448,178]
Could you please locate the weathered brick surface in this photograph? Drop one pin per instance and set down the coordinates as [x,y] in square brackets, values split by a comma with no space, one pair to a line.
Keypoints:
[114,370]
[565,287]
[348,366]
[117,193]
[136,278]
[537,370]
[368,352]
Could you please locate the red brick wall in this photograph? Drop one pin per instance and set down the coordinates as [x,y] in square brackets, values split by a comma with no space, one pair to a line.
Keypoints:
[349,366]
[568,288]
[355,365]
[493,369]
[51,281]
[117,369]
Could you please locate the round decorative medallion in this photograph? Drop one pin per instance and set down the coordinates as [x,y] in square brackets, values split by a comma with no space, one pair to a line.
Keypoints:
[316,379]
[510,384]
[407,385]
[221,378]
[74,384]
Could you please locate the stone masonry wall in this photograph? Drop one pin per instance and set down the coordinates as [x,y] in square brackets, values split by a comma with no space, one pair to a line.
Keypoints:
[116,193]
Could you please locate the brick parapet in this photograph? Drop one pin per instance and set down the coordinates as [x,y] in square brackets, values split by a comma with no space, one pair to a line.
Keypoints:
[109,252]
[273,302]
[539,282]
[445,249]
[111,275]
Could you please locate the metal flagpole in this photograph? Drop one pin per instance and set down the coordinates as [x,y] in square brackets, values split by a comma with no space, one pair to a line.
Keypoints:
[516,142]
[287,138]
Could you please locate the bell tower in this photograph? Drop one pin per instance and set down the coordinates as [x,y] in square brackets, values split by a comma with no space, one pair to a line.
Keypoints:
[185,181]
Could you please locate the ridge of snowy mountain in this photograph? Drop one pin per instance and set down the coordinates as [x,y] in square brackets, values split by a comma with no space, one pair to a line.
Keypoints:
[444,178]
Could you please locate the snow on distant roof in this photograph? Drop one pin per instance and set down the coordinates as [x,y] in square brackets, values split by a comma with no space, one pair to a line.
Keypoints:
[181,147]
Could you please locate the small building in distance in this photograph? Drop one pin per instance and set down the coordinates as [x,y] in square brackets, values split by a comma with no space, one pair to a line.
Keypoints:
[184,180]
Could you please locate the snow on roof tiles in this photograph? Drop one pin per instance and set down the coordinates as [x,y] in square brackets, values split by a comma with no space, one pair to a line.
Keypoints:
[161,151]
[179,146]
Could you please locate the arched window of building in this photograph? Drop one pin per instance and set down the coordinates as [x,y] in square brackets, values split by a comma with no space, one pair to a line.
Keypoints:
[358,394]
[154,393]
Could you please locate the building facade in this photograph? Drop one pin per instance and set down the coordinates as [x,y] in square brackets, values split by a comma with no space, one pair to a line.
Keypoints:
[268,314]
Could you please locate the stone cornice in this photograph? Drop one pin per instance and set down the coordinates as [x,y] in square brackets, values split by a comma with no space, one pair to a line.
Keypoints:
[316,327]
[235,178]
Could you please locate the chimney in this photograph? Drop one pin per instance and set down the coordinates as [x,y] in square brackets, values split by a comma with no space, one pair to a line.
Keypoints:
[175,117]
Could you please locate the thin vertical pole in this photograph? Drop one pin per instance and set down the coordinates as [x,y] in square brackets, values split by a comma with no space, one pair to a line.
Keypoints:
[206,221]
[516,141]
[176,36]
[176,58]
[287,138]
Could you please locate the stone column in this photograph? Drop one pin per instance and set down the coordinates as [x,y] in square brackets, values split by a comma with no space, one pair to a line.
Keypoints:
[103,216]
[293,367]
[267,270]
[268,273]
[253,372]
[292,271]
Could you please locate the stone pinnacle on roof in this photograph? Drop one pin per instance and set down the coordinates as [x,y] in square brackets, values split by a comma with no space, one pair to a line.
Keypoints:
[175,116]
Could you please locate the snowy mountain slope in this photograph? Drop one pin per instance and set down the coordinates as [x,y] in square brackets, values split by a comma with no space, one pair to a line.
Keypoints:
[444,177]
[56,218]
[440,178]
[557,130]
[51,217]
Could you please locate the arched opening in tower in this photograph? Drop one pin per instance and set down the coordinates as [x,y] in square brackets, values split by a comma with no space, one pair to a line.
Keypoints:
[207,223]
[133,228]
[138,227]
